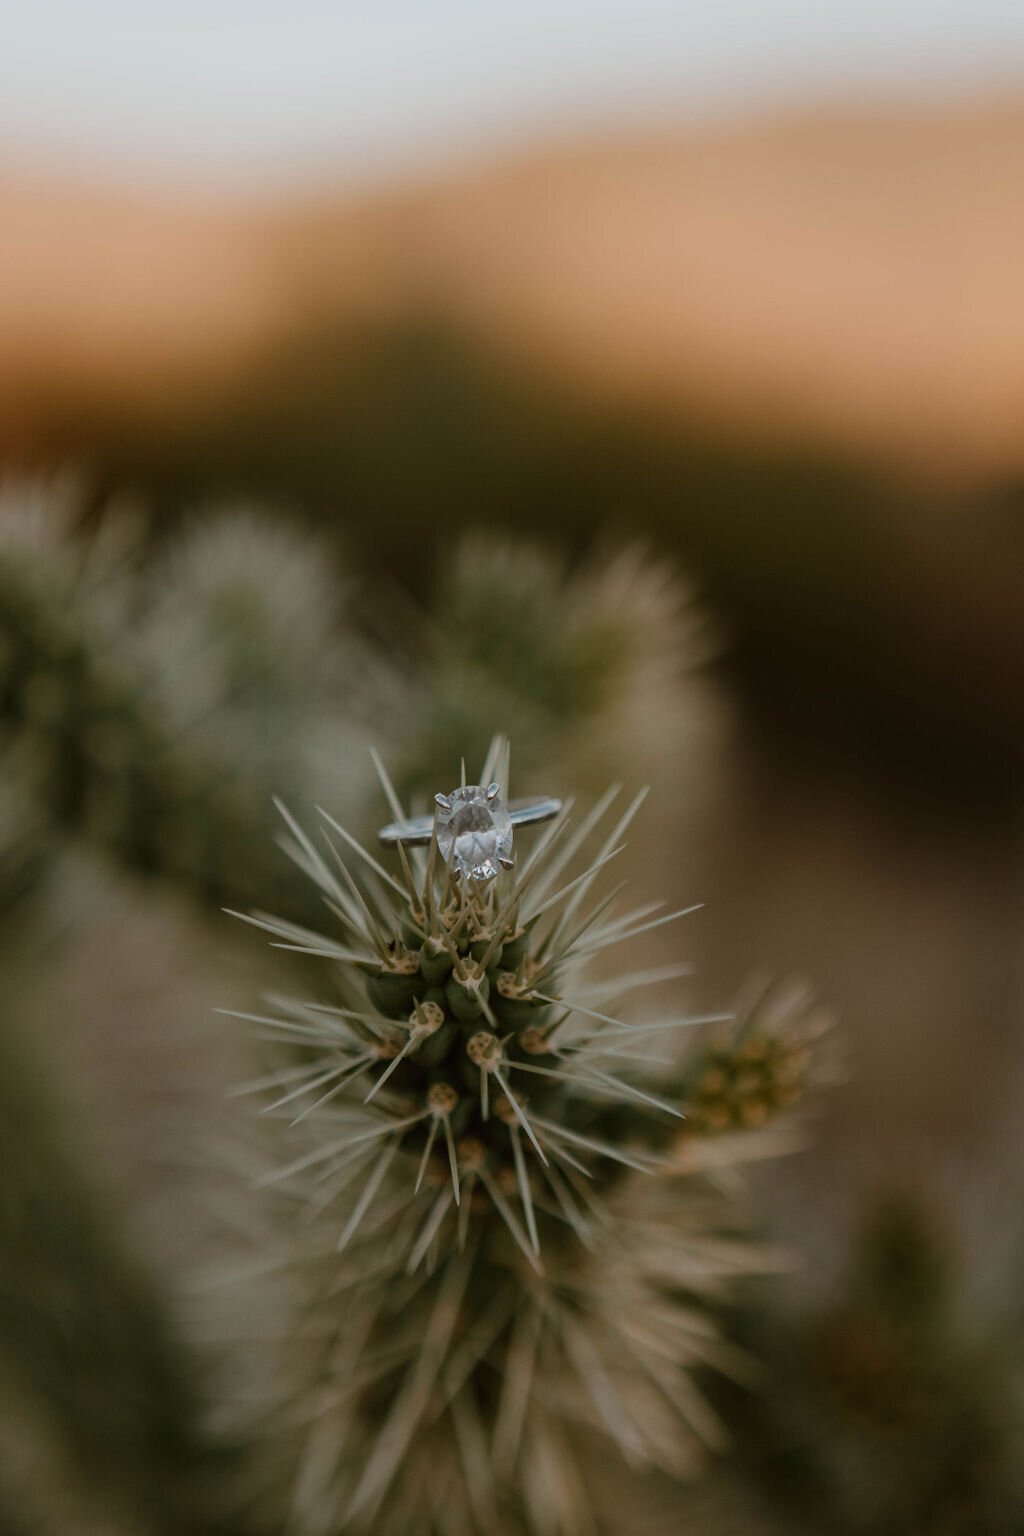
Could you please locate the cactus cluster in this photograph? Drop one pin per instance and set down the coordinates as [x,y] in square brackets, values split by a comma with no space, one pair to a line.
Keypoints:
[153,709]
[155,692]
[588,667]
[155,686]
[763,1065]
[501,1254]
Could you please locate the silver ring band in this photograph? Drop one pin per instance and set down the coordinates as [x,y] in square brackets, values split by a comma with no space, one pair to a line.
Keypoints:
[419,830]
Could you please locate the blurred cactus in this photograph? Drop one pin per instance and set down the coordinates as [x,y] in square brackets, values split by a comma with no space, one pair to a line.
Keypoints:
[155,700]
[153,696]
[158,711]
[596,673]
[764,1064]
[890,1407]
[501,1252]
[87,1347]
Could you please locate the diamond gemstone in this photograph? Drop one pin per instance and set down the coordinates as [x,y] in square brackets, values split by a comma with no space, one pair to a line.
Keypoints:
[473,831]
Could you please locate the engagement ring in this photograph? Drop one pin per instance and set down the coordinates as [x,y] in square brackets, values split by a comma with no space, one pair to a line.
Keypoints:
[473,827]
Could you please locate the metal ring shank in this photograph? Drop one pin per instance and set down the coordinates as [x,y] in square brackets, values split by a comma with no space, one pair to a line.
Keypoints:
[418,830]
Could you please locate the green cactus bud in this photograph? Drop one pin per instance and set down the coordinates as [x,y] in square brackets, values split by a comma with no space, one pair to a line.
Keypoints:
[515,948]
[484,949]
[514,1004]
[435,962]
[467,998]
[397,985]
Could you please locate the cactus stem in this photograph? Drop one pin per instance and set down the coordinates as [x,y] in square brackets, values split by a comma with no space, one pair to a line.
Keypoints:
[503,922]
[460,921]
[405,1201]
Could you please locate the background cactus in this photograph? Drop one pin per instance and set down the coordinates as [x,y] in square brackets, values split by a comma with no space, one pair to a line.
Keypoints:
[155,707]
[156,693]
[590,669]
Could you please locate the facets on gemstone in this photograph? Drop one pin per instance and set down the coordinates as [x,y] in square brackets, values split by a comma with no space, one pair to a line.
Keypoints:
[474,833]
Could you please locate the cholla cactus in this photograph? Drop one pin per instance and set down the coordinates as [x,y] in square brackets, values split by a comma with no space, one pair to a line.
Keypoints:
[588,667]
[154,711]
[764,1063]
[503,1249]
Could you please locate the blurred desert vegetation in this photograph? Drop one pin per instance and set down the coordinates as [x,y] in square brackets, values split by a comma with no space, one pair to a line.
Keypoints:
[341,468]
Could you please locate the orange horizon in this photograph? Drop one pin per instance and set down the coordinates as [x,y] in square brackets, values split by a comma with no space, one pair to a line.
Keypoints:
[850,278]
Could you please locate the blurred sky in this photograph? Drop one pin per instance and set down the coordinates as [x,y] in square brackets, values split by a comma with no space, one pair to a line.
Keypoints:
[260,89]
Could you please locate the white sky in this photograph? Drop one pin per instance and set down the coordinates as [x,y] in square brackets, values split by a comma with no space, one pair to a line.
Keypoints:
[266,89]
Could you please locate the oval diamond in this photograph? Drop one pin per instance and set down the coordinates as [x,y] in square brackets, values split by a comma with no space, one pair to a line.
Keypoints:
[474,831]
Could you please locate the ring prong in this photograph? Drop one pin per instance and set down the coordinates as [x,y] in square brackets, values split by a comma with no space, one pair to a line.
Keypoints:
[443,802]
[492,790]
[506,863]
